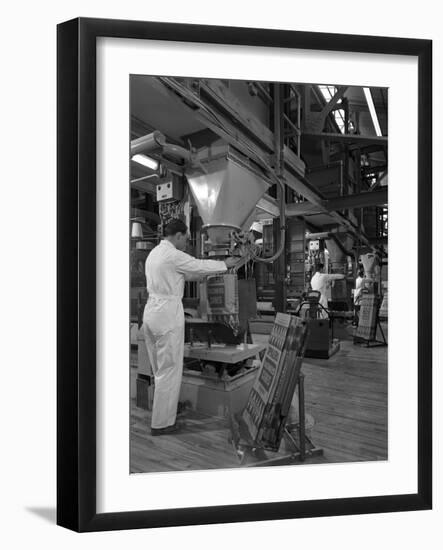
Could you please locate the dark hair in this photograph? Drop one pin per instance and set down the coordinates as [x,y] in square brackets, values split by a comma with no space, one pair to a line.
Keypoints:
[320,266]
[175,226]
[361,272]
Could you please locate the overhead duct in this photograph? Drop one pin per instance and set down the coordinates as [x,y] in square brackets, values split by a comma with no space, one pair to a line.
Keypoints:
[147,144]
[225,196]
[156,142]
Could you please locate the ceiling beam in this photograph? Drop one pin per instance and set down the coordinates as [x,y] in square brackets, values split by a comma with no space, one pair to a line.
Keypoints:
[358,200]
[348,138]
[378,197]
[305,208]
[338,96]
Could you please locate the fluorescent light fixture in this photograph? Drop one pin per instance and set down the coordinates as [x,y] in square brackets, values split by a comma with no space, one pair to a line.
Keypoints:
[146,161]
[371,106]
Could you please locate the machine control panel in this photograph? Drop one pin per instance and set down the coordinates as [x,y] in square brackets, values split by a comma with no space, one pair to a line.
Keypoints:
[171,190]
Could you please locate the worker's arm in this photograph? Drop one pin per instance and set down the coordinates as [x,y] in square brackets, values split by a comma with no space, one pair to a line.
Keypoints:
[331,277]
[334,276]
[192,268]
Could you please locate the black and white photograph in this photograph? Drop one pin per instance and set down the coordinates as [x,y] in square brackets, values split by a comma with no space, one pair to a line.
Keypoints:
[220,328]
[259,258]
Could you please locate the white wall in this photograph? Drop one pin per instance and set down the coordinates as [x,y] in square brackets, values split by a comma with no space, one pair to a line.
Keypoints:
[27,303]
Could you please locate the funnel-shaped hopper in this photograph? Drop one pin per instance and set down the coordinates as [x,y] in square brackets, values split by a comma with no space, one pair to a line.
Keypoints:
[225,196]
[368,261]
[336,254]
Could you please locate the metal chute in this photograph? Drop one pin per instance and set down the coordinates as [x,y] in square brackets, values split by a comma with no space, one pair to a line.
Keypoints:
[225,196]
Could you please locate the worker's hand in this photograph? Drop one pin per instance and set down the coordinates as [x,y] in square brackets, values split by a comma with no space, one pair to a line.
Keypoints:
[231,262]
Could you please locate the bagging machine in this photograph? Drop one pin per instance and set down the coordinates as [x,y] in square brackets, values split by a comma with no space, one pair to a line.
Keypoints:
[221,360]
[369,324]
[221,188]
[371,266]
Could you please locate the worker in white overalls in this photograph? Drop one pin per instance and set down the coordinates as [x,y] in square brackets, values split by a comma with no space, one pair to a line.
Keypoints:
[358,291]
[321,282]
[167,267]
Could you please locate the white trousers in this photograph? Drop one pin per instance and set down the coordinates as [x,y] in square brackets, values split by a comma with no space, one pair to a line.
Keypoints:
[164,344]
[324,302]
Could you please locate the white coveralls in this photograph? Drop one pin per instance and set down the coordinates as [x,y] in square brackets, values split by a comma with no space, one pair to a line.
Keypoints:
[166,269]
[358,290]
[321,282]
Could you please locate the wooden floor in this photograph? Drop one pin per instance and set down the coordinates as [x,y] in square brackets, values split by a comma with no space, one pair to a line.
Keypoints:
[346,396]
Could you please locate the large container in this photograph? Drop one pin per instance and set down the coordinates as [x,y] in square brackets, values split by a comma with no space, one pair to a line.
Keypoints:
[214,396]
[319,339]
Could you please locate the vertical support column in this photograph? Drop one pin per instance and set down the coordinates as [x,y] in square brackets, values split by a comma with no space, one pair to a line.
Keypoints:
[280,263]
[358,170]
[306,99]
[301,415]
[359,189]
[346,150]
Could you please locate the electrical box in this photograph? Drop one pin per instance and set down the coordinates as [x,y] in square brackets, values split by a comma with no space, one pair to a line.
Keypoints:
[314,245]
[171,190]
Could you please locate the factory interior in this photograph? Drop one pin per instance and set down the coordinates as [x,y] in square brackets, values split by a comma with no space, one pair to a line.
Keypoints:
[290,179]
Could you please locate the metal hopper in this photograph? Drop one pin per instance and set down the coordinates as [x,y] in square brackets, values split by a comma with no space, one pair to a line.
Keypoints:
[225,196]
[369,264]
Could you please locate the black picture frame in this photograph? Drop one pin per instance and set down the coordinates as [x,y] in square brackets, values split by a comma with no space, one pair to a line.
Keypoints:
[76,278]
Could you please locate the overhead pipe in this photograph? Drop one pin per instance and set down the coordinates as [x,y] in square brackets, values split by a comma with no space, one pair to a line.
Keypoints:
[156,141]
[282,207]
[177,151]
[148,144]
